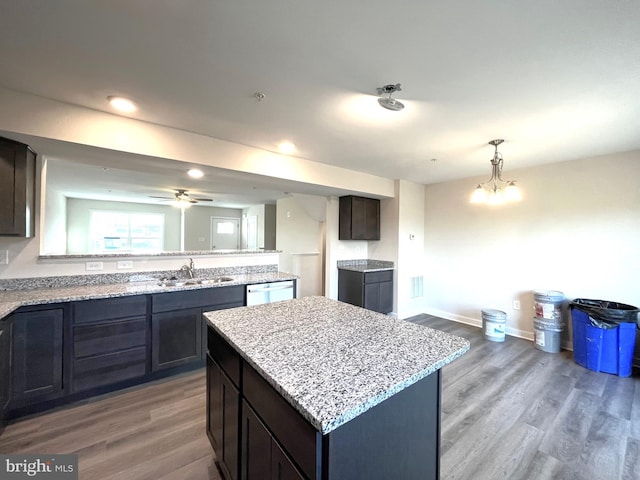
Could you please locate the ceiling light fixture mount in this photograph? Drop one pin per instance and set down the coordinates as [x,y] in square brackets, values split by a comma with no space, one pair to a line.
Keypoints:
[388,102]
[496,191]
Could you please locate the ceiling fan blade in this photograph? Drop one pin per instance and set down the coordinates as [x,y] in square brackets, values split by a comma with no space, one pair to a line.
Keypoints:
[164,198]
[204,199]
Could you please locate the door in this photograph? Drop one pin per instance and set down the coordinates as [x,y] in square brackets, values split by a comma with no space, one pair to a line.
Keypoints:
[256,446]
[225,233]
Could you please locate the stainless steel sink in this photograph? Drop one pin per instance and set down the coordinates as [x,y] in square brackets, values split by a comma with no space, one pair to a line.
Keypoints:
[194,281]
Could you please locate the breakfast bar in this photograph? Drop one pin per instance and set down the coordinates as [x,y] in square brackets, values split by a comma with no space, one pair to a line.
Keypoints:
[319,389]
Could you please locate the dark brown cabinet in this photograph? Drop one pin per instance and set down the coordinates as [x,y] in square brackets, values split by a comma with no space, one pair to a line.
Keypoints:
[223,410]
[245,447]
[178,329]
[262,457]
[397,438]
[17,189]
[359,218]
[37,361]
[5,368]
[176,338]
[370,290]
[109,341]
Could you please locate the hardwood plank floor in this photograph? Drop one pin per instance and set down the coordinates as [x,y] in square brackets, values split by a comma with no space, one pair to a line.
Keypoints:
[509,411]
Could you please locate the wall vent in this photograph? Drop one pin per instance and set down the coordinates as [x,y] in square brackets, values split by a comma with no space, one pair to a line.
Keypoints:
[417,287]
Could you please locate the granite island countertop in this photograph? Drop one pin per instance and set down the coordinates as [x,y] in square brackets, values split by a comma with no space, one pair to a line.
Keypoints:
[13,299]
[333,361]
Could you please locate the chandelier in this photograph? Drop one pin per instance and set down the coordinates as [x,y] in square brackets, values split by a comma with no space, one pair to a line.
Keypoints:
[496,191]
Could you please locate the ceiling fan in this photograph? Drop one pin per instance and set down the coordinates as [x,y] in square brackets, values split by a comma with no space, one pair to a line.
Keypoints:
[181,196]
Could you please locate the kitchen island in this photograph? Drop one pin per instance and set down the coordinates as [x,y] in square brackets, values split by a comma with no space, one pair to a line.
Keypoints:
[316,388]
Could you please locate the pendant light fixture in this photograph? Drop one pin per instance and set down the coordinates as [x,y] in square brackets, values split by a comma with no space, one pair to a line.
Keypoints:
[496,191]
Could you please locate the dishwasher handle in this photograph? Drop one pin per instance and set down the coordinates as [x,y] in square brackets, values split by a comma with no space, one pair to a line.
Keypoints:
[268,289]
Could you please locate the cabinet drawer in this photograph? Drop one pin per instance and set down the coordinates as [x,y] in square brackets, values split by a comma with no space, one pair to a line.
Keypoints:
[226,356]
[298,437]
[97,339]
[164,302]
[107,369]
[109,309]
[377,277]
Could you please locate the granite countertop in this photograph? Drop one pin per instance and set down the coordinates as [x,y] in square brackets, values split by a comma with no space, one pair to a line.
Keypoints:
[333,361]
[365,265]
[13,299]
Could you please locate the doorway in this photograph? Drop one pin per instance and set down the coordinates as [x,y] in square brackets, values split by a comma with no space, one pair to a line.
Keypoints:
[225,233]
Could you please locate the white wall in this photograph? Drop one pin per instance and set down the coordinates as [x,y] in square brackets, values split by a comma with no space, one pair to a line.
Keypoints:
[300,224]
[576,230]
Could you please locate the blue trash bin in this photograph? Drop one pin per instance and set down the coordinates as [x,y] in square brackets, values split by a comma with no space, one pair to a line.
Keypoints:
[601,344]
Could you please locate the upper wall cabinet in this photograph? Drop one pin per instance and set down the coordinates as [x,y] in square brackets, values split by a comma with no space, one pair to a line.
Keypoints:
[17,189]
[359,218]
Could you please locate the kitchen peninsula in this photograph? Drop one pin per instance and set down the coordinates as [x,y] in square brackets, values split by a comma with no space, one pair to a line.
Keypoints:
[319,389]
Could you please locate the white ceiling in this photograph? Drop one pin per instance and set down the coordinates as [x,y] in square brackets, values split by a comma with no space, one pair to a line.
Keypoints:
[557,80]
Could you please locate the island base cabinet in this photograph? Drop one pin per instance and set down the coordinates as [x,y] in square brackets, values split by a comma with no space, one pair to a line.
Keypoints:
[223,413]
[262,457]
[399,438]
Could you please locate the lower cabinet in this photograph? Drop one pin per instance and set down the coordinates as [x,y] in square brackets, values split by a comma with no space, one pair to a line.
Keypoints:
[262,457]
[223,409]
[37,360]
[109,338]
[246,448]
[370,290]
[5,368]
[176,338]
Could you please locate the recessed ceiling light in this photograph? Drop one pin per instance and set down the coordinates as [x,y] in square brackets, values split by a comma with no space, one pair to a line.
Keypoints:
[195,173]
[122,104]
[287,147]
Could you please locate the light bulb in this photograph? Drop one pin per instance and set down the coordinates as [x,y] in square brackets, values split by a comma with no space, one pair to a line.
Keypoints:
[479,195]
[512,193]
[495,197]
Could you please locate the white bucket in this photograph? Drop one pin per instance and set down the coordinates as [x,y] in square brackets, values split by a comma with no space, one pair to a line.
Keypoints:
[547,336]
[493,324]
[548,306]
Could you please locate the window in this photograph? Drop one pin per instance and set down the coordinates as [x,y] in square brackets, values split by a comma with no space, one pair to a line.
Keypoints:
[125,232]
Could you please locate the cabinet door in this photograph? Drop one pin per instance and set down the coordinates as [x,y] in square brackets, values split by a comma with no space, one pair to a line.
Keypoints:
[37,355]
[281,466]
[214,405]
[230,402]
[385,304]
[379,297]
[5,365]
[176,338]
[256,446]
[17,189]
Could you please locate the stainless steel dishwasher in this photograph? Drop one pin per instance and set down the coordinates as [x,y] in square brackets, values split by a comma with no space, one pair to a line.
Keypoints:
[270,292]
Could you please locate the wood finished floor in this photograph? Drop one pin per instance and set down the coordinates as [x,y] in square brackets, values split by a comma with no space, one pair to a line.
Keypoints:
[509,411]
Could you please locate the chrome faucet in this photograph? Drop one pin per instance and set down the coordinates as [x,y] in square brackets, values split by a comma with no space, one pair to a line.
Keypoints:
[188,268]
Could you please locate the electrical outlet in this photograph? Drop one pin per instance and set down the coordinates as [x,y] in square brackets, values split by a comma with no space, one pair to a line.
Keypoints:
[92,266]
[124,264]
[516,304]
[4,257]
